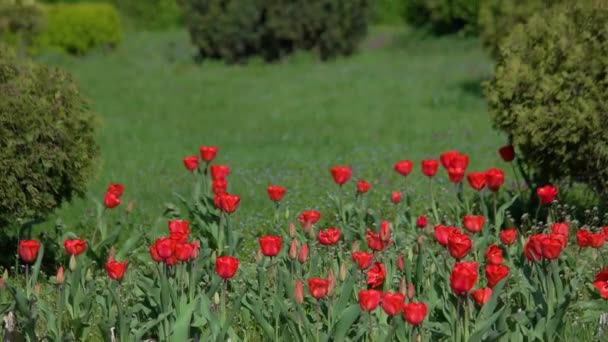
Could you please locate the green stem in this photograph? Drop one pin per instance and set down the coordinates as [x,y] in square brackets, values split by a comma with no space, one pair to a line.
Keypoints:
[466,318]
[318,318]
[370,323]
[59,311]
[224,294]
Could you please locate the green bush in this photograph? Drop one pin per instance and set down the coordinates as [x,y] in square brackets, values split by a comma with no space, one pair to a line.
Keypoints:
[498,17]
[549,93]
[443,16]
[19,24]
[388,11]
[150,14]
[47,148]
[234,30]
[78,28]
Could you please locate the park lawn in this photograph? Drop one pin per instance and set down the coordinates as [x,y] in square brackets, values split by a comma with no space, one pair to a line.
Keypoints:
[402,97]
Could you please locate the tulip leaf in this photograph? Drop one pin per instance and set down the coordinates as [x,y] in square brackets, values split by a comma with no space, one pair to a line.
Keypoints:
[143,329]
[254,308]
[347,318]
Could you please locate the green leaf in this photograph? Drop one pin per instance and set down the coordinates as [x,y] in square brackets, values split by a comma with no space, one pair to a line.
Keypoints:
[347,319]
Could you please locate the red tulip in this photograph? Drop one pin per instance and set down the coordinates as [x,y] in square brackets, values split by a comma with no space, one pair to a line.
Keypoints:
[171,261]
[363,186]
[546,194]
[219,172]
[111,201]
[179,230]
[318,287]
[404,167]
[596,240]
[208,153]
[496,273]
[116,189]
[463,277]
[477,180]
[298,292]
[455,174]
[552,246]
[442,233]
[303,256]
[374,242]
[400,262]
[494,179]
[28,250]
[363,259]
[583,238]
[396,197]
[376,275]
[421,221]
[385,231]
[601,283]
[392,303]
[481,296]
[191,163]
[605,232]
[115,269]
[414,312]
[459,245]
[533,248]
[329,236]
[369,299]
[507,153]
[219,187]
[165,247]
[183,251]
[229,203]
[508,236]
[276,192]
[270,245]
[341,174]
[293,249]
[429,167]
[74,247]
[226,266]
[493,255]
[473,223]
[154,254]
[454,159]
[309,218]
[561,228]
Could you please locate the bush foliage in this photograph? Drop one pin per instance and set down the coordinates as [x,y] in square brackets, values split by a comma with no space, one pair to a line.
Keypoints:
[47,147]
[77,28]
[442,16]
[498,17]
[388,11]
[19,24]
[550,92]
[233,30]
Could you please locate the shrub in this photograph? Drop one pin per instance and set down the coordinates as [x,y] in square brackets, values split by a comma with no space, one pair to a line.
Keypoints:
[388,11]
[442,16]
[47,146]
[78,28]
[550,92]
[19,24]
[150,14]
[233,30]
[498,17]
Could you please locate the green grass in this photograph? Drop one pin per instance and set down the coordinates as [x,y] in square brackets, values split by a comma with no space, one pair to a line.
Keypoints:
[401,97]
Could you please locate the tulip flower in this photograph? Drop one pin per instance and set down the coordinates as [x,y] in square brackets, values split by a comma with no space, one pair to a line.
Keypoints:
[404,167]
[229,203]
[456,174]
[369,299]
[414,313]
[459,245]
[270,245]
[28,251]
[219,186]
[191,163]
[165,247]
[329,236]
[385,231]
[508,236]
[226,266]
[115,269]
[583,238]
[341,174]
[74,247]
[219,172]
[208,153]
[275,192]
[179,230]
[421,221]
[309,218]
[546,194]
[477,180]
[429,167]
[183,251]
[494,179]
[374,242]
[507,153]
[601,282]
[392,303]
[454,159]
[318,287]
[396,197]
[112,196]
[533,248]
[481,296]
[596,240]
[495,273]
[463,277]
[363,259]
[493,255]
[362,186]
[376,275]
[473,223]
[552,246]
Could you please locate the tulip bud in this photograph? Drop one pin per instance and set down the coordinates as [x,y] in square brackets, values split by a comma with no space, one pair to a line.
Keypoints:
[385,231]
[59,279]
[311,233]
[400,262]
[213,257]
[303,256]
[410,291]
[73,263]
[5,275]
[298,293]
[37,288]
[307,227]
[130,207]
[342,271]
[112,253]
[292,230]
[196,246]
[420,240]
[293,249]
[402,286]
[216,298]
[355,247]
[410,255]
[259,256]
[332,283]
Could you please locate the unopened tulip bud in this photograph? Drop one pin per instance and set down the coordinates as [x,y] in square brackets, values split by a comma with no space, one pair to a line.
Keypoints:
[410,291]
[292,230]
[130,207]
[355,247]
[293,249]
[343,271]
[213,257]
[59,278]
[303,256]
[298,293]
[385,231]
[311,233]
[259,256]
[410,255]
[307,227]
[5,275]
[196,246]
[37,288]
[400,262]
[403,286]
[332,283]
[112,253]
[216,298]
[420,240]
[73,263]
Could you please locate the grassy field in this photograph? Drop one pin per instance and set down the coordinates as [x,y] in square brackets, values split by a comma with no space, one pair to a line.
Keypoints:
[402,97]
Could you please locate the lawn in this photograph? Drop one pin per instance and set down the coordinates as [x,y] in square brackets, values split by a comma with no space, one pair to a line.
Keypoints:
[402,97]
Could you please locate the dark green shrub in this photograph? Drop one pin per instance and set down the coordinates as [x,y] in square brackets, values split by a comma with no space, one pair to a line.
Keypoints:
[234,30]
[498,17]
[78,28]
[19,24]
[549,93]
[47,148]
[388,11]
[150,14]
[443,16]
